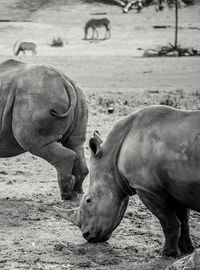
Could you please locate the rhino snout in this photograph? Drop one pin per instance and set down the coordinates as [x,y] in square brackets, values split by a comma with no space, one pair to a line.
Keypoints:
[94,237]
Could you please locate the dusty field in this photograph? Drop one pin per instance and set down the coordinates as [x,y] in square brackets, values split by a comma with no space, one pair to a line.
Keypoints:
[32,236]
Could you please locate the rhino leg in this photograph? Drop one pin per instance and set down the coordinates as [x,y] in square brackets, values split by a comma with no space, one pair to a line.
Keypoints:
[160,206]
[185,242]
[63,160]
[80,169]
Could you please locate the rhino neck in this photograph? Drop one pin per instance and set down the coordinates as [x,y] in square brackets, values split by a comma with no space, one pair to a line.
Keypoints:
[118,135]
[123,183]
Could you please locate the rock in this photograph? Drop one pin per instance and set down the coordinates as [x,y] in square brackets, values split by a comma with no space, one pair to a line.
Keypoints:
[59,247]
[9,183]
[111,110]
[189,262]
[16,242]
[128,213]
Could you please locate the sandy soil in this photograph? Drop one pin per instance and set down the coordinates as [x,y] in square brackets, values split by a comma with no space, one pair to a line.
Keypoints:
[110,72]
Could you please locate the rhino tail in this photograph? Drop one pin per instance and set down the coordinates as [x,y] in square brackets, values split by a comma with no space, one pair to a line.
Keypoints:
[72,100]
[59,115]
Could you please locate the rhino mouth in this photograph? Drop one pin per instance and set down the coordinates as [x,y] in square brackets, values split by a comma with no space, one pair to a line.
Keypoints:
[95,237]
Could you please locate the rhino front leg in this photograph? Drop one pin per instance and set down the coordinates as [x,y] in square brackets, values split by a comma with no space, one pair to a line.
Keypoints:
[63,160]
[185,242]
[160,206]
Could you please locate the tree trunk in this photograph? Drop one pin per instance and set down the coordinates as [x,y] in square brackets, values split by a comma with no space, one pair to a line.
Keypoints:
[176,25]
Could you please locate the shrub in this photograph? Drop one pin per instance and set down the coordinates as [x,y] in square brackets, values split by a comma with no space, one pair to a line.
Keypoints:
[57,42]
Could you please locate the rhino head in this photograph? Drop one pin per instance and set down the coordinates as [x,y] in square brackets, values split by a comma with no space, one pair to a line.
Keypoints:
[103,206]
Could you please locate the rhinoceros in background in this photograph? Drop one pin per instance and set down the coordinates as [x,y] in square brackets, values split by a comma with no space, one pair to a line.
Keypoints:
[154,153]
[44,112]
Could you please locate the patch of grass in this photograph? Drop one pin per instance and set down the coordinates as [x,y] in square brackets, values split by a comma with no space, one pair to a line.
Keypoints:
[105,102]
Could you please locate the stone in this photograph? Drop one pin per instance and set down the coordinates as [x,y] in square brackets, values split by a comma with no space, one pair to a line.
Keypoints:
[189,262]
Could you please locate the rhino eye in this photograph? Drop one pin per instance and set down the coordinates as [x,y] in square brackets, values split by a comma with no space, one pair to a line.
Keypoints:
[88,200]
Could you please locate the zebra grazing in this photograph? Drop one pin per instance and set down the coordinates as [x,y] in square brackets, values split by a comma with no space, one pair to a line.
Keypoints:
[98,23]
[24,46]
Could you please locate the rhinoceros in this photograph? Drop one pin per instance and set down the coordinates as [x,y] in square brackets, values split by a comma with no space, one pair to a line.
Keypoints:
[44,112]
[154,153]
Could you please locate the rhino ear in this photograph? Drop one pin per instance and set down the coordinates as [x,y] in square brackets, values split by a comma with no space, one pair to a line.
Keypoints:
[95,146]
[97,135]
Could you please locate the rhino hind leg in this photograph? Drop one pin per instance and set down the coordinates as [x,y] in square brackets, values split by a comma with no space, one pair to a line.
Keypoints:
[161,207]
[185,242]
[80,169]
[63,160]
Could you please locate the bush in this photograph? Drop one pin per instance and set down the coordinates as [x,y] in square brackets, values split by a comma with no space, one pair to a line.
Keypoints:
[57,42]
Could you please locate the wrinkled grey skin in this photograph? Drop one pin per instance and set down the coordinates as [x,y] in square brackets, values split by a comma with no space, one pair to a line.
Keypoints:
[156,152]
[44,112]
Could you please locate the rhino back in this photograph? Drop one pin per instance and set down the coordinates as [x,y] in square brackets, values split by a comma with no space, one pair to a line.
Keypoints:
[162,152]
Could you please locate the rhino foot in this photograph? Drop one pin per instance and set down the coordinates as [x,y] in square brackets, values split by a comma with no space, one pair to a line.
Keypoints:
[78,190]
[67,196]
[73,195]
[186,247]
[166,252]
[66,188]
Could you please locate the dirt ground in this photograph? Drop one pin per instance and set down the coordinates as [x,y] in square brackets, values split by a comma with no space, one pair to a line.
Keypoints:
[111,73]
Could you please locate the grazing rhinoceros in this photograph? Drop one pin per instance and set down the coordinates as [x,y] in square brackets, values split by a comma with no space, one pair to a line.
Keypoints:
[154,153]
[44,112]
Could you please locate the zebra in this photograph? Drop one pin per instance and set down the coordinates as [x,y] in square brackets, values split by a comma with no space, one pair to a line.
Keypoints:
[24,46]
[98,23]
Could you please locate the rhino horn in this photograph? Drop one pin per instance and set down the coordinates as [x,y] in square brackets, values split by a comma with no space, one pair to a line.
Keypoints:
[72,215]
